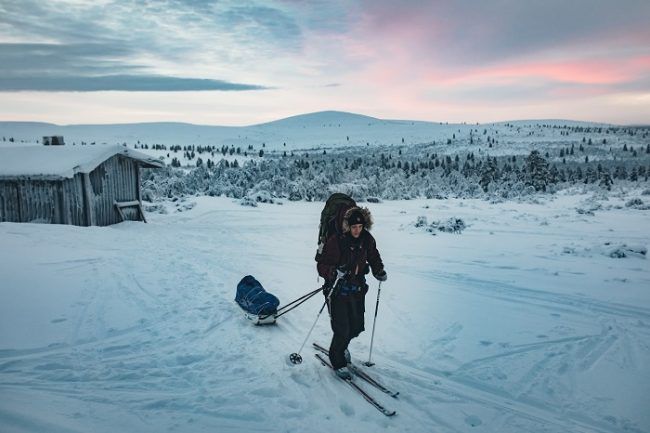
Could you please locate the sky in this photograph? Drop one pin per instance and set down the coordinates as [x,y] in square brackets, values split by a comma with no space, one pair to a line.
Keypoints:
[245,62]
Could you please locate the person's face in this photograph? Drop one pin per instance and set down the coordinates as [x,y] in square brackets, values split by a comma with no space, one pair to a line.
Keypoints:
[355,230]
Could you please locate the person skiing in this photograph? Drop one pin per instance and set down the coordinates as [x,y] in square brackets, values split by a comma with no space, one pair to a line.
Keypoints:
[348,257]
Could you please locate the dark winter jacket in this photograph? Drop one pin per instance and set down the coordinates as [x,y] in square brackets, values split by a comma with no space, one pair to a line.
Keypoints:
[353,254]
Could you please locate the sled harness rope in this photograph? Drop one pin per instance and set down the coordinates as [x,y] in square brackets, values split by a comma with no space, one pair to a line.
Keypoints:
[299,301]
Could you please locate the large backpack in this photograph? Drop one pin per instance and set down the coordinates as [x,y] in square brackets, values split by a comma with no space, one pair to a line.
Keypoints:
[331,218]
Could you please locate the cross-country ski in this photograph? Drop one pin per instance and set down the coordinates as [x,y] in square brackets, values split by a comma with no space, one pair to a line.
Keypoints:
[361,373]
[370,399]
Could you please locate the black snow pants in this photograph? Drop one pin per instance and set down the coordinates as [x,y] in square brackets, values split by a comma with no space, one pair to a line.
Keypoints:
[346,317]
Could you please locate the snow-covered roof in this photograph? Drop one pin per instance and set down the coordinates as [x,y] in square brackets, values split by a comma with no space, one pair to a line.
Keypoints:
[55,162]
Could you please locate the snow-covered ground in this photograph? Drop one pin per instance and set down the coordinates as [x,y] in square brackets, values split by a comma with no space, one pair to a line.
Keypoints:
[528,321]
[326,129]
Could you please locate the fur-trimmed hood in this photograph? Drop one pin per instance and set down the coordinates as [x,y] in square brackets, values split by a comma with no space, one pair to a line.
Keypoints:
[366,216]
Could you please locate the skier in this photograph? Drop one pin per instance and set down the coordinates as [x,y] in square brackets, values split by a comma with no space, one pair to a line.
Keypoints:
[348,257]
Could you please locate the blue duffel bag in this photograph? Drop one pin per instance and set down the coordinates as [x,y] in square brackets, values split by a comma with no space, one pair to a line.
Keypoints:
[259,305]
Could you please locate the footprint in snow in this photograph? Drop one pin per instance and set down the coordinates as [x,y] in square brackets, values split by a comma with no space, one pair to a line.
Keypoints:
[300,379]
[347,409]
[473,421]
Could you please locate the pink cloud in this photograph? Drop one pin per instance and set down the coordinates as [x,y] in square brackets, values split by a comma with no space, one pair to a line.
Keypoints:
[609,71]
[437,44]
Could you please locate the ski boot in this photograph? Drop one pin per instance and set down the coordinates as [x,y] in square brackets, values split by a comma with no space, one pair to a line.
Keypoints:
[343,373]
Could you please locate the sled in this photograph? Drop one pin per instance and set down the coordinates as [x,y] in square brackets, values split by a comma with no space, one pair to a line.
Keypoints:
[260,320]
[260,306]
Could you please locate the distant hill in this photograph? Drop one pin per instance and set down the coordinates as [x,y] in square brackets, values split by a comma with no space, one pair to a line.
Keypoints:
[320,130]
[322,118]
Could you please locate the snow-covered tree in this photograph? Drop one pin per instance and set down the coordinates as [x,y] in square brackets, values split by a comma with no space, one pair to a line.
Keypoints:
[536,171]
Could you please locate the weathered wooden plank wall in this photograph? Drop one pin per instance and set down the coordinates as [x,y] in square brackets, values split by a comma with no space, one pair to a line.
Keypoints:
[9,208]
[29,201]
[114,180]
[74,200]
[38,201]
[83,200]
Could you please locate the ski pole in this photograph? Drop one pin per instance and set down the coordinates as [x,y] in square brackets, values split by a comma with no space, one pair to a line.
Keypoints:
[374,322]
[295,357]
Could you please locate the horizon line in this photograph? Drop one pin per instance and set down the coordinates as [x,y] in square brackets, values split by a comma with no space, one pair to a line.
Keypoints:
[330,111]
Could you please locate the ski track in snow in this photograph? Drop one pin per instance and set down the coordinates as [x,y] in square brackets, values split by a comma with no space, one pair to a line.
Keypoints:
[151,339]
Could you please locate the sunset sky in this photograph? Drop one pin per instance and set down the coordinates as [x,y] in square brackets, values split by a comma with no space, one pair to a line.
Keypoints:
[245,62]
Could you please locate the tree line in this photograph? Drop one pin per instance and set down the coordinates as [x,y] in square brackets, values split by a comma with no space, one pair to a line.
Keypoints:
[392,174]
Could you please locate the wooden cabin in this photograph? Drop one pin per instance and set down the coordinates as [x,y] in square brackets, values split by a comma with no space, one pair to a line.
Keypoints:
[80,185]
[53,140]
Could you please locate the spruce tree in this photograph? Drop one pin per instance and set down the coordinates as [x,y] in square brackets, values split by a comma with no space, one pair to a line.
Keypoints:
[536,168]
[554,174]
[606,181]
[489,173]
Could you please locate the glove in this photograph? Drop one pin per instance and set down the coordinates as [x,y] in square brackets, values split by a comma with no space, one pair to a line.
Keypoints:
[381,275]
[341,273]
[327,288]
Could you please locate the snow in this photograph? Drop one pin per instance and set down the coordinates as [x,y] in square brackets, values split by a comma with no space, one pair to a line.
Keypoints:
[326,129]
[522,322]
[62,161]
